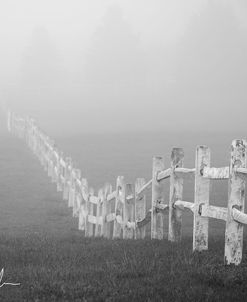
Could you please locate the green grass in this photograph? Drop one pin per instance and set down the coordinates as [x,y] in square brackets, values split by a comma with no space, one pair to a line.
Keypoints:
[41,248]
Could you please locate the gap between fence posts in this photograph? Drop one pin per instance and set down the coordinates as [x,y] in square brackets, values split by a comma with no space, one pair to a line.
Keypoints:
[140,208]
[202,188]
[236,198]
[129,212]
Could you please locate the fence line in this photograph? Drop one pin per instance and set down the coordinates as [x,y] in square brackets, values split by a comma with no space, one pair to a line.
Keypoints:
[122,213]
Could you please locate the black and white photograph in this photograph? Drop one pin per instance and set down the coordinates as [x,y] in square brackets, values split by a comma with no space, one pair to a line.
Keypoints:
[123,150]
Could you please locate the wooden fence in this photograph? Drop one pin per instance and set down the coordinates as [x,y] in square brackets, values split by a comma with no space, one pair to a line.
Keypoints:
[122,212]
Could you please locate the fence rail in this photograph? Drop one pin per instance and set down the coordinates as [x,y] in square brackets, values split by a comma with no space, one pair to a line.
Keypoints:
[123,213]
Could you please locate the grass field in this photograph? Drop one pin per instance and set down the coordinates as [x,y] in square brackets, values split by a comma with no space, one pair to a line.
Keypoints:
[41,248]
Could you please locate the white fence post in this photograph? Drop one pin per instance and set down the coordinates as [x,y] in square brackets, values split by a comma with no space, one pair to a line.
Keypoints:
[236,198]
[68,166]
[77,194]
[158,191]
[202,186]
[83,205]
[89,226]
[119,208]
[72,188]
[106,228]
[99,215]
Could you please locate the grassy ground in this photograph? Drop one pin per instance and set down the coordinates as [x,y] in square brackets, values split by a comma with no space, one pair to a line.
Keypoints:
[41,248]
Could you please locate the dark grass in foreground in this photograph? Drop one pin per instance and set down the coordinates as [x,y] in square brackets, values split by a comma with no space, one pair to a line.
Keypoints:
[72,268]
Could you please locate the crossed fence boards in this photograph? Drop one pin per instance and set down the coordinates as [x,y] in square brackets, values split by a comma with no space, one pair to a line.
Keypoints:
[122,213]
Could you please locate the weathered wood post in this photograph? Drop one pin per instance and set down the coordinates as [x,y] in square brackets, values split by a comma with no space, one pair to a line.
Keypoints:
[77,203]
[158,191]
[83,210]
[98,226]
[119,208]
[176,193]
[89,206]
[202,187]
[67,173]
[129,212]
[106,228]
[75,173]
[236,198]
[140,208]
[77,194]
[77,199]
[71,193]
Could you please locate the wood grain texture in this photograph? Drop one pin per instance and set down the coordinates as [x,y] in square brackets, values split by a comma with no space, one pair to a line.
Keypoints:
[83,207]
[213,212]
[89,228]
[77,197]
[106,228]
[158,193]
[200,226]
[99,211]
[119,208]
[236,198]
[216,173]
[181,204]
[68,166]
[144,187]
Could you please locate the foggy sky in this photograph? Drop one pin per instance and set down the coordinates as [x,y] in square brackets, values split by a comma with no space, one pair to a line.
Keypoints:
[121,65]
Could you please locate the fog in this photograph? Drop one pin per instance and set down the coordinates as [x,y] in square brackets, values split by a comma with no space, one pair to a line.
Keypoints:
[125,65]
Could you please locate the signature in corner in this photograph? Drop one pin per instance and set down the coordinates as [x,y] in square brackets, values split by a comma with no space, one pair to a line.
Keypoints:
[6,283]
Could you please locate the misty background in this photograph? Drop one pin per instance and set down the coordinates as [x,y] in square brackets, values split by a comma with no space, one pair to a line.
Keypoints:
[125,65]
